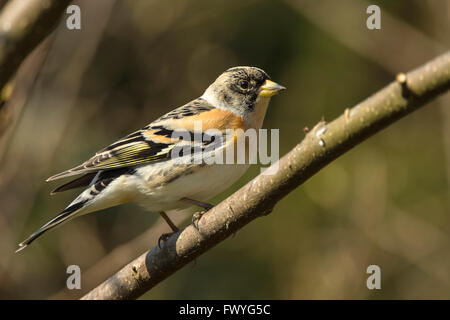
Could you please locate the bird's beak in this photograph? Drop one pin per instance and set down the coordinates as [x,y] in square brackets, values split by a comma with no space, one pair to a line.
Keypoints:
[270,88]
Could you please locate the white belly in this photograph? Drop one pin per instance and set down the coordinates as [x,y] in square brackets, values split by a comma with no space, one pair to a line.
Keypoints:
[201,184]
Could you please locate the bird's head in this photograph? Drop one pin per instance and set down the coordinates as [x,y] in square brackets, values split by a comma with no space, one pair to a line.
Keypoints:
[241,89]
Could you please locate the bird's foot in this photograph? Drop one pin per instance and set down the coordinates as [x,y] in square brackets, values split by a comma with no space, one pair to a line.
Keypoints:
[197,216]
[164,237]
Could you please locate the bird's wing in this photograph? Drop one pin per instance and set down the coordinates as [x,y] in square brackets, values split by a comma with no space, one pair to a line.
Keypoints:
[134,149]
[150,144]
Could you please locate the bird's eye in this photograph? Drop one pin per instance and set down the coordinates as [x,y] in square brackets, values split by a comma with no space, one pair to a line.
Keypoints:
[243,84]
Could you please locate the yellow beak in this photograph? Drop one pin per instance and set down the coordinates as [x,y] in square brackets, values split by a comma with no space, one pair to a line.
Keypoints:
[270,88]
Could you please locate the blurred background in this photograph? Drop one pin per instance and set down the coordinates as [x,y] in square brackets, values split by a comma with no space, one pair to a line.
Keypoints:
[386,202]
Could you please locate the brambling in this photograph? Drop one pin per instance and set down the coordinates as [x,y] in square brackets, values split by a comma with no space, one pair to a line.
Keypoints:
[141,167]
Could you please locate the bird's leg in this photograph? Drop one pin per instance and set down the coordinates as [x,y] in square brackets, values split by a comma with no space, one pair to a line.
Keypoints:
[196,216]
[203,205]
[174,228]
[169,222]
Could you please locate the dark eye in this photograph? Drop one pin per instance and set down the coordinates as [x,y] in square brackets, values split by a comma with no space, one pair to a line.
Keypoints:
[243,84]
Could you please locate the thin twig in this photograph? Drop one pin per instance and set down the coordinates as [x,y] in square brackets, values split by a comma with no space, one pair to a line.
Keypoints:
[23,25]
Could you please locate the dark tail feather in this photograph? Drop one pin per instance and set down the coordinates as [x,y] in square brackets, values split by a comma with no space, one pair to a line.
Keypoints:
[79,182]
[63,216]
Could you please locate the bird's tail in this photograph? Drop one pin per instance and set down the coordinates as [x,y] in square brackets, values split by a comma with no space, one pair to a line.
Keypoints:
[67,214]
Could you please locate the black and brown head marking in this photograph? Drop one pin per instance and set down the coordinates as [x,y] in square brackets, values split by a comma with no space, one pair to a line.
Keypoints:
[238,87]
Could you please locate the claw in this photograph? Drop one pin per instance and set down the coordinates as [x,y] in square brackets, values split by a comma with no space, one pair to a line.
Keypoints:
[196,218]
[164,237]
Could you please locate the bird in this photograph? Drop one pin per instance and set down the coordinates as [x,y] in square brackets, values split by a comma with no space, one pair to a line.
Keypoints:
[142,167]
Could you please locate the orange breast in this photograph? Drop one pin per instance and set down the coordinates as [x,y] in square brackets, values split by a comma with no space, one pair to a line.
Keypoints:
[213,119]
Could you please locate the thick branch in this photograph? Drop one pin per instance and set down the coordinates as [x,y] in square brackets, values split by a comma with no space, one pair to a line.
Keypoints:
[322,145]
[23,24]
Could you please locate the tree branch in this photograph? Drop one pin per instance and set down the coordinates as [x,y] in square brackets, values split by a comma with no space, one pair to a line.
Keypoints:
[23,25]
[323,144]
